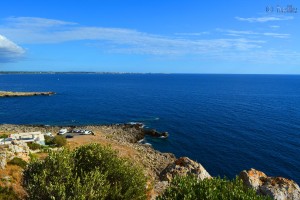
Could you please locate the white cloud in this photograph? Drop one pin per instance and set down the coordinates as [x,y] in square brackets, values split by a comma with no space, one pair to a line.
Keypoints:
[9,51]
[29,30]
[35,22]
[193,34]
[239,33]
[41,31]
[275,26]
[277,35]
[264,19]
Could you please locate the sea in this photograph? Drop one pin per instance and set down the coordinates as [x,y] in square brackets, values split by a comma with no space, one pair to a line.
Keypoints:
[228,123]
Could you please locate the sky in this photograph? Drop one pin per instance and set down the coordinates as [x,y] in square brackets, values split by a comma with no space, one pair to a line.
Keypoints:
[157,36]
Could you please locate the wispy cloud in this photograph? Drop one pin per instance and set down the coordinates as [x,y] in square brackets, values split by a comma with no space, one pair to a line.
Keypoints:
[274,26]
[264,19]
[277,35]
[36,31]
[30,30]
[35,22]
[9,51]
[193,34]
[239,33]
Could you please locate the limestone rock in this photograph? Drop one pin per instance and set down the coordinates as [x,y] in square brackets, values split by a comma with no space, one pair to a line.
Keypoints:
[19,149]
[182,167]
[277,187]
[252,178]
[2,160]
[15,149]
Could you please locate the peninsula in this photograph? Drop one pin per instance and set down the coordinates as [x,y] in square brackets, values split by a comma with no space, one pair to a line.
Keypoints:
[23,94]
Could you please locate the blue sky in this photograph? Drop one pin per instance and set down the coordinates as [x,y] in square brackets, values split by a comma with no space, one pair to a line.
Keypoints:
[168,36]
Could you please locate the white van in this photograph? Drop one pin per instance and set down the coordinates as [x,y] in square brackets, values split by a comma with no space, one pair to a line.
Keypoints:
[62,131]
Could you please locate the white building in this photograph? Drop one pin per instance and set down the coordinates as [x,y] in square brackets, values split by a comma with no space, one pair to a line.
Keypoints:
[36,137]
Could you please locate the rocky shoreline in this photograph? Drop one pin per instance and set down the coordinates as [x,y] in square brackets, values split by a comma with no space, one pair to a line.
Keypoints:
[122,137]
[160,167]
[24,94]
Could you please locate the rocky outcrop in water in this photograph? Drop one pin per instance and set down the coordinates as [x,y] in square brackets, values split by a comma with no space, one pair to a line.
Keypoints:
[155,133]
[24,94]
[183,167]
[277,187]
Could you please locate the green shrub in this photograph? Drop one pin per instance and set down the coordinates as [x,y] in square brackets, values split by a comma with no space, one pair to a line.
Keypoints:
[59,141]
[33,157]
[7,193]
[89,172]
[4,136]
[189,188]
[18,161]
[34,146]
[46,149]
[48,140]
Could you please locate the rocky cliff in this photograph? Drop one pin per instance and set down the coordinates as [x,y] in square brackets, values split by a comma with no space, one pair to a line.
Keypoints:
[277,187]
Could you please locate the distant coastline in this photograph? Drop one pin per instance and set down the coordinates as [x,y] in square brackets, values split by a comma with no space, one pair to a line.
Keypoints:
[70,72]
[24,94]
[139,73]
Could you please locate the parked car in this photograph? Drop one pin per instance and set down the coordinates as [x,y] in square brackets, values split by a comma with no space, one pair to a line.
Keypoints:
[85,132]
[62,131]
[69,136]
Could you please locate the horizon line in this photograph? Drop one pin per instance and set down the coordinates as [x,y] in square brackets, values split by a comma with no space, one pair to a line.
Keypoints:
[120,73]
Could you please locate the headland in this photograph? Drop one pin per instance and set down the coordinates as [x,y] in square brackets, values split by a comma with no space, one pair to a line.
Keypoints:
[24,94]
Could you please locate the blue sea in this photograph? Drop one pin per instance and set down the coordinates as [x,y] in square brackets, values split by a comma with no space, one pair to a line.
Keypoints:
[228,123]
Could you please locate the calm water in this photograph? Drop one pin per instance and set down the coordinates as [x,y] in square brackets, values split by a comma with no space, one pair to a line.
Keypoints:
[226,122]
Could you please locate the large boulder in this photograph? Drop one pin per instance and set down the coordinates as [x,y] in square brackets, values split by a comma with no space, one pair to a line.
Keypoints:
[15,149]
[18,149]
[277,187]
[183,167]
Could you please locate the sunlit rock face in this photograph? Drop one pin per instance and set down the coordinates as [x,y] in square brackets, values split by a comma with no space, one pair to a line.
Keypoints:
[277,187]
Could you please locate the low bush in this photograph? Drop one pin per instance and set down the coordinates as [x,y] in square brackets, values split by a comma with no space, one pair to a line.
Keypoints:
[59,141]
[48,140]
[46,149]
[34,146]
[18,161]
[3,136]
[7,193]
[189,188]
[89,172]
[33,157]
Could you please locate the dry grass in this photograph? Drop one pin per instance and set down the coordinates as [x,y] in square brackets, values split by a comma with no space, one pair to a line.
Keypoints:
[15,179]
[100,138]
